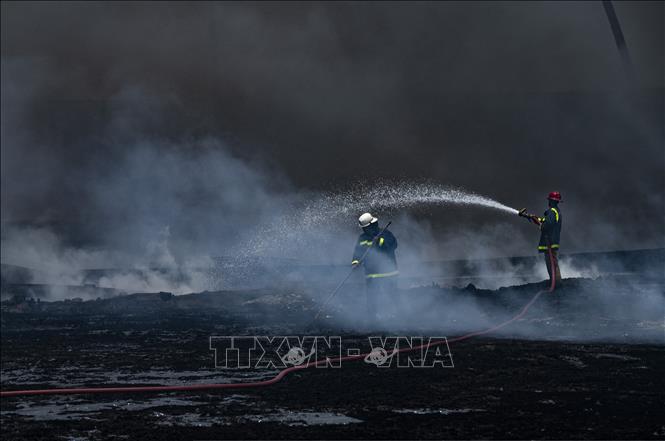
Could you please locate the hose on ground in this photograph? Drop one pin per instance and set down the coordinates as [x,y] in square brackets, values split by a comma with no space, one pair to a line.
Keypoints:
[283,373]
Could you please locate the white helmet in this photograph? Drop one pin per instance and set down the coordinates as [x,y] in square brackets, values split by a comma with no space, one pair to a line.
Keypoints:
[366,219]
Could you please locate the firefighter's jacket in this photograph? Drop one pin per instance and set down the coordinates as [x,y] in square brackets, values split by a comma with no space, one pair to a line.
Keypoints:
[550,229]
[380,260]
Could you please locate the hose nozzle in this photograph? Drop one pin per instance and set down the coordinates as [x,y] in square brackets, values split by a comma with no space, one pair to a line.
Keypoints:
[531,217]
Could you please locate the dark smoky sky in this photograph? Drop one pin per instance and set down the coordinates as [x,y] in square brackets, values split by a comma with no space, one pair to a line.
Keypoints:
[508,99]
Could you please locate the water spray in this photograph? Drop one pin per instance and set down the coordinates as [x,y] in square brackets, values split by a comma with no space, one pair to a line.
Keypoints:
[334,209]
[403,195]
[408,195]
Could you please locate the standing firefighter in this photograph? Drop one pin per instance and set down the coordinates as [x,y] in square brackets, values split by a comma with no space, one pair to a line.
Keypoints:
[378,248]
[550,231]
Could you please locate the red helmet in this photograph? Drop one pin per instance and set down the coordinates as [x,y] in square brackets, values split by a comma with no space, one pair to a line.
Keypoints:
[554,196]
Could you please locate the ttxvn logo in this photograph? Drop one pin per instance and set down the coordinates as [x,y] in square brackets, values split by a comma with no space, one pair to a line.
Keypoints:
[279,352]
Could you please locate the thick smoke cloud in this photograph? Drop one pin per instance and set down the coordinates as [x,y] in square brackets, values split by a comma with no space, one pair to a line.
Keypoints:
[165,133]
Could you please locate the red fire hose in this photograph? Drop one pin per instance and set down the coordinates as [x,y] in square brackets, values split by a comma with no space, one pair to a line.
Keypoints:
[281,374]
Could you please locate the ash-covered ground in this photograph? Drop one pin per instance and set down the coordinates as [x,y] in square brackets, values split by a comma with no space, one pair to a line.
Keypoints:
[584,362]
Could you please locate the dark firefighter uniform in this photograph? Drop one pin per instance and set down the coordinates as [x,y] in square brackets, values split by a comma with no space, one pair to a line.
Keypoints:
[550,231]
[380,264]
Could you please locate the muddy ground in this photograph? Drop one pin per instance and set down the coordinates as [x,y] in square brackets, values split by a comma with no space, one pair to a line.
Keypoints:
[580,376]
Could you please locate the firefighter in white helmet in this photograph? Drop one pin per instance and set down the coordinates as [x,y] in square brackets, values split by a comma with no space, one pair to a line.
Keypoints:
[379,263]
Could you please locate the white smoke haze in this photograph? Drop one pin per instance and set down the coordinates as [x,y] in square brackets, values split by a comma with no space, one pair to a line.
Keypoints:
[304,228]
[201,158]
[164,210]
[171,207]
[41,250]
[588,305]
[571,271]
[54,263]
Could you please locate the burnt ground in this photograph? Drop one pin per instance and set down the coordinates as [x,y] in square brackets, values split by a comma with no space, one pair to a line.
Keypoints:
[580,376]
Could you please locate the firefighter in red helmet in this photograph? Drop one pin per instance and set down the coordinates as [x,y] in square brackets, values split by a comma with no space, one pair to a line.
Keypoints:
[550,233]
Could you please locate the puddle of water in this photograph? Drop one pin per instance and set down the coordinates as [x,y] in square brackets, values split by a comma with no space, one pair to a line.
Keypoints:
[573,361]
[428,411]
[71,408]
[616,356]
[304,418]
[187,419]
[76,377]
[282,416]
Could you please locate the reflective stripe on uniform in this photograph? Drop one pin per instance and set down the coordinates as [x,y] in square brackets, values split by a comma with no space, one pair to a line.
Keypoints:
[381,241]
[379,275]
[354,262]
[366,242]
[543,248]
[556,213]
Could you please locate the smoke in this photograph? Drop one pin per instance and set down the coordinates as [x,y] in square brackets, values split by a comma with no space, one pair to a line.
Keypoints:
[160,210]
[597,307]
[498,98]
[53,263]
[254,135]
[156,211]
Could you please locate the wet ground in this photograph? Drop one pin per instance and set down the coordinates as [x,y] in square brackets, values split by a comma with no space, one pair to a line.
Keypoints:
[566,381]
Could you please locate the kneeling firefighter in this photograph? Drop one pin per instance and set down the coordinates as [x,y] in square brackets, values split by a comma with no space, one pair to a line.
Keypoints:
[550,232]
[378,248]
